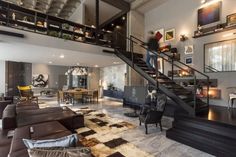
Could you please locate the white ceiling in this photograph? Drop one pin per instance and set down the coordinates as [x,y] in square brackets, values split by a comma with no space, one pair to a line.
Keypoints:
[144,6]
[38,54]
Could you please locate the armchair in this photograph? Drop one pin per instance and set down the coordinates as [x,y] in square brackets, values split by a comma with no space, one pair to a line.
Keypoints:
[152,114]
[26,93]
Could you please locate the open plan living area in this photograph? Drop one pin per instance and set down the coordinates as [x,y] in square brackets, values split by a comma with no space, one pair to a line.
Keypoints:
[117,78]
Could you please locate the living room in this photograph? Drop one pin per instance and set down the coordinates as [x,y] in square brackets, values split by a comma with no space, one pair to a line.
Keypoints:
[81,78]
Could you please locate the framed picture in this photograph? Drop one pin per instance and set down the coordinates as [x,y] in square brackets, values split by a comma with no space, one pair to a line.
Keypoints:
[209,14]
[188,49]
[189,60]
[40,80]
[162,33]
[170,35]
[231,19]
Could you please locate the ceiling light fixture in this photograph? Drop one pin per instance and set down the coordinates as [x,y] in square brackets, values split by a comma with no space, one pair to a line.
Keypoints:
[95,66]
[50,62]
[123,18]
[62,56]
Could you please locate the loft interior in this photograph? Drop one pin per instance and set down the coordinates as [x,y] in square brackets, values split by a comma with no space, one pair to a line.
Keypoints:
[117,78]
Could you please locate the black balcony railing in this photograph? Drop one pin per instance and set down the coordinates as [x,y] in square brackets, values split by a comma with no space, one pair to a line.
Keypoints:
[21,18]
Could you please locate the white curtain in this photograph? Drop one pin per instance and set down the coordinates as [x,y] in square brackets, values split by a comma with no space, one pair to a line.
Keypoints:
[221,56]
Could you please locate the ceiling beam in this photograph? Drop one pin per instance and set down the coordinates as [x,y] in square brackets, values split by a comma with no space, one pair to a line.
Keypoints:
[120,4]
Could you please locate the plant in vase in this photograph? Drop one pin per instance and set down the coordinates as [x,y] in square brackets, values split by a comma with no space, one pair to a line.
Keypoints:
[66,37]
[65,26]
[53,33]
[110,86]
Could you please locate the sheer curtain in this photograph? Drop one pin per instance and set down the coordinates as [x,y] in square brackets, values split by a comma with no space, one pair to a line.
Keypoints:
[221,56]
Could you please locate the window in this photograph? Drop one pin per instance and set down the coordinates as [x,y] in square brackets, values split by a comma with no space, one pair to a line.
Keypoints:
[220,56]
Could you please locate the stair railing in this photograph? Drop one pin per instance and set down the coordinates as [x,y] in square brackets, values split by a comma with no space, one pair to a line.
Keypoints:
[174,63]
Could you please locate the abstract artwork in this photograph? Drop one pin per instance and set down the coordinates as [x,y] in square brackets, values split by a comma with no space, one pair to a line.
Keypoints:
[189,60]
[40,80]
[209,14]
[170,35]
[188,49]
[161,31]
[231,20]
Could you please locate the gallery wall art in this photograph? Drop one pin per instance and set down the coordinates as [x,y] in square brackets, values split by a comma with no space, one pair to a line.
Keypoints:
[170,35]
[209,14]
[188,49]
[162,32]
[40,80]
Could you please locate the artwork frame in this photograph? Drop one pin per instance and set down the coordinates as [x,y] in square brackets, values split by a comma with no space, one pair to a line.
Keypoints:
[210,14]
[189,49]
[40,80]
[170,35]
[188,60]
[162,31]
[231,19]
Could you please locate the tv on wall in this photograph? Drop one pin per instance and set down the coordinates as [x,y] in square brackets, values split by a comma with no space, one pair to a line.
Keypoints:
[209,14]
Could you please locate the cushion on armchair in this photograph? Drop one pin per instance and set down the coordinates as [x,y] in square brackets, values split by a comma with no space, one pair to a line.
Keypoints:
[161,102]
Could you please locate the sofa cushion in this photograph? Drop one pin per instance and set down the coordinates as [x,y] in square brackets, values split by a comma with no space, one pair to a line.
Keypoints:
[22,113]
[3,105]
[9,117]
[67,141]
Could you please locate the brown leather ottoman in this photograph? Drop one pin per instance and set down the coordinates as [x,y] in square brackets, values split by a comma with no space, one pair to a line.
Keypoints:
[49,130]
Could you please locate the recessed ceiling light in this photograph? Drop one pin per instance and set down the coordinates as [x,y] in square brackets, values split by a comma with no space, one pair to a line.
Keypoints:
[203,1]
[96,66]
[112,24]
[123,18]
[62,56]
[50,62]
[116,62]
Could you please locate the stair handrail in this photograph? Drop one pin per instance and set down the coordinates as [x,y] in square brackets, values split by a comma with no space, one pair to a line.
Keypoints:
[169,56]
[172,62]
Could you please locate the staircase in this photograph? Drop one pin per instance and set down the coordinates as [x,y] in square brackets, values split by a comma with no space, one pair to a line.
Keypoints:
[185,98]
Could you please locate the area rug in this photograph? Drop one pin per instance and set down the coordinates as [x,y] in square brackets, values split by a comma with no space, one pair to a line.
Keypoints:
[103,135]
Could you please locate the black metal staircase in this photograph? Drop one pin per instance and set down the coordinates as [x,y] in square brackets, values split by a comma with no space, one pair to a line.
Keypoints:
[187,99]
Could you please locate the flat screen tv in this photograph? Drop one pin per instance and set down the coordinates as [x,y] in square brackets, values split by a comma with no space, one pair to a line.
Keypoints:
[209,14]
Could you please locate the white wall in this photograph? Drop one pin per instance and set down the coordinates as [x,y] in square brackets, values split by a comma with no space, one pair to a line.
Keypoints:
[113,74]
[2,76]
[182,16]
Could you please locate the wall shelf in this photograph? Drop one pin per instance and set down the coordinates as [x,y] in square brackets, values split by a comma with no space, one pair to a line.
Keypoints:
[27,20]
[214,30]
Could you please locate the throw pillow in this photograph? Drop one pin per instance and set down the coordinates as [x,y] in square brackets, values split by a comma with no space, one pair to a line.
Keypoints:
[60,152]
[67,141]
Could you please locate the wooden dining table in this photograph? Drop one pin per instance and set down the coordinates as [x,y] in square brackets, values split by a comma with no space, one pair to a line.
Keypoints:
[72,92]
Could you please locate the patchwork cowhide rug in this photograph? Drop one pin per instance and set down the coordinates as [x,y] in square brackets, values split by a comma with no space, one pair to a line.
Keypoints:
[103,135]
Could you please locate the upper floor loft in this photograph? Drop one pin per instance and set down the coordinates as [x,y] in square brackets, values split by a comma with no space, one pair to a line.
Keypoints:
[32,21]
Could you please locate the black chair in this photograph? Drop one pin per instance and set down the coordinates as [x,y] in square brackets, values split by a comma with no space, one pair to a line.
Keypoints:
[152,113]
